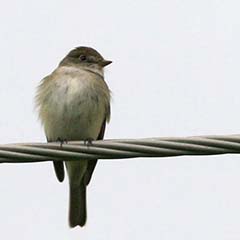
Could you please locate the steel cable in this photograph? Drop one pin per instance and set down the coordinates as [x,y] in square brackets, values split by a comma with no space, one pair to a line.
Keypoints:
[120,148]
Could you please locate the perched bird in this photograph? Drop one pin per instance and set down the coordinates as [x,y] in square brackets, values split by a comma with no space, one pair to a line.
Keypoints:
[74,104]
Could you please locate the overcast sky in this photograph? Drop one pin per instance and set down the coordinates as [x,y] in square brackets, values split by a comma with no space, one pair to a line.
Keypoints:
[175,72]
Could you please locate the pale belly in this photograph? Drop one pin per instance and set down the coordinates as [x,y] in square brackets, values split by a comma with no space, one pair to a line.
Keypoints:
[73,112]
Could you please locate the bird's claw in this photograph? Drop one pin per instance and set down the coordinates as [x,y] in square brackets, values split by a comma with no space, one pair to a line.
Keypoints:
[88,142]
[62,141]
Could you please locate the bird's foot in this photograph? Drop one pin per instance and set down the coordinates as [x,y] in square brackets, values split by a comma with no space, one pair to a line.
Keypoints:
[62,141]
[88,142]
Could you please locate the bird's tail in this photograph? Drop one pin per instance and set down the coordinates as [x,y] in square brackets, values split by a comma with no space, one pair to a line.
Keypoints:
[77,205]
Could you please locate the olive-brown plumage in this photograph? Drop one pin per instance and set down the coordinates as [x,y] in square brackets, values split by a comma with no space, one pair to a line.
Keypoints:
[74,104]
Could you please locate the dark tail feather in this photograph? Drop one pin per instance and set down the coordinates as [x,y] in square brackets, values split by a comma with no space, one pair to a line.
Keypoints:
[77,206]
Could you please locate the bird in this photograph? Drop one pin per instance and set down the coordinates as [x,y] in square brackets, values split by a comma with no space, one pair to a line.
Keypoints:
[73,103]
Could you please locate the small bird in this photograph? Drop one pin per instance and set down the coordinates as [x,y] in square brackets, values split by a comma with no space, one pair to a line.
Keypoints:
[73,103]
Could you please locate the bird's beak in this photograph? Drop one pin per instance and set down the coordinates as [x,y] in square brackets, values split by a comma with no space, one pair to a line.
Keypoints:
[104,63]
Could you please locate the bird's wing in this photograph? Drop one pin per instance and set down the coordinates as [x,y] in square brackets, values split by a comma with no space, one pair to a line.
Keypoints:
[92,163]
[59,169]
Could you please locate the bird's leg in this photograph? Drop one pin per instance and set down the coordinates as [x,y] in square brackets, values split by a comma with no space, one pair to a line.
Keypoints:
[62,141]
[88,142]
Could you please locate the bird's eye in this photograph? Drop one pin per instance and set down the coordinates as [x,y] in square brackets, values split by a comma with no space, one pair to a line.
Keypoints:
[82,57]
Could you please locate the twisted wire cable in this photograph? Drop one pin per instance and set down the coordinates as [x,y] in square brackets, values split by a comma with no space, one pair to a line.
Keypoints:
[119,149]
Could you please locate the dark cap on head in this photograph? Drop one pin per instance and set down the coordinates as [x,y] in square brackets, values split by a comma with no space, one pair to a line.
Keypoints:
[84,56]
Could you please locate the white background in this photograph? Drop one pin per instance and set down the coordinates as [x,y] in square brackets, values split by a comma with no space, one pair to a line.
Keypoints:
[175,72]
